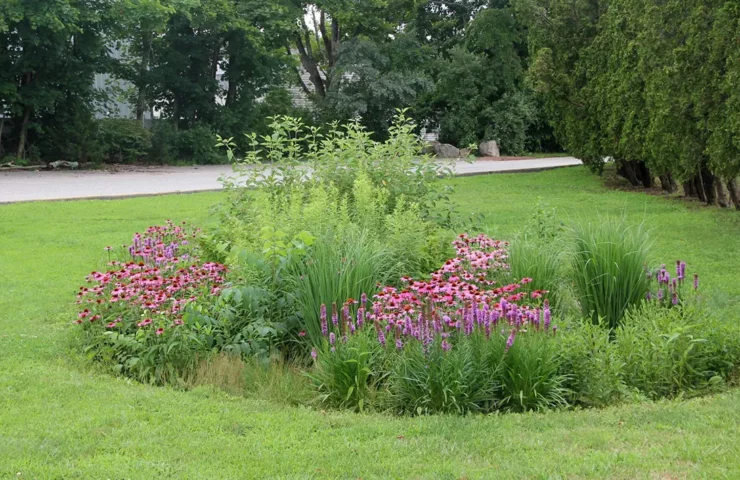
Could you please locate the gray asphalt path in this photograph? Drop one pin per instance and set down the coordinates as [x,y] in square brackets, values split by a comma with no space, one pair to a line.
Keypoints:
[24,186]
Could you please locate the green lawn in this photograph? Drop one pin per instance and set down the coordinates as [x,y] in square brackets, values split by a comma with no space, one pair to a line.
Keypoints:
[59,419]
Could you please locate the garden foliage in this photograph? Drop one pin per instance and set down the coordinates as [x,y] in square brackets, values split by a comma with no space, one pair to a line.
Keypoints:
[331,262]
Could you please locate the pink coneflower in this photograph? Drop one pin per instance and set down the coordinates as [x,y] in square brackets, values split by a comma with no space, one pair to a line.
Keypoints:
[159,331]
[144,323]
[302,333]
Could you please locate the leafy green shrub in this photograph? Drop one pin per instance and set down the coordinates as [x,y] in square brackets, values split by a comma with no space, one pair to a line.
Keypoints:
[196,145]
[591,360]
[123,140]
[337,159]
[684,350]
[609,269]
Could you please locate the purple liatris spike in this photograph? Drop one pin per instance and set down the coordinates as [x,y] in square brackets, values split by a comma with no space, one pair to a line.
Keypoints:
[334,315]
[510,340]
[446,346]
[360,317]
[324,326]
[399,344]
[381,337]
[649,296]
[660,294]
[678,268]
[345,313]
[313,353]
[547,316]
[332,338]
[683,271]
[674,298]
[696,281]
[363,300]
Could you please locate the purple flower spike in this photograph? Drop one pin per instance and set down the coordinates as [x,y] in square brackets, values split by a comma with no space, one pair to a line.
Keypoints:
[696,281]
[660,294]
[381,337]
[548,316]
[510,340]
[674,298]
[334,315]
[314,354]
[446,346]
[649,296]
[324,326]
[399,344]
[332,338]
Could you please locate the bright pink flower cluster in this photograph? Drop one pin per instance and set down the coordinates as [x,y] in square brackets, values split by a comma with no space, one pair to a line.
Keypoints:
[160,280]
[461,297]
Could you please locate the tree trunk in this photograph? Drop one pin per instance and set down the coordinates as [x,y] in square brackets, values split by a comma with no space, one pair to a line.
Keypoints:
[699,188]
[707,181]
[2,127]
[646,177]
[175,113]
[732,188]
[24,131]
[144,68]
[720,191]
[667,183]
[233,67]
[626,169]
[688,188]
[310,65]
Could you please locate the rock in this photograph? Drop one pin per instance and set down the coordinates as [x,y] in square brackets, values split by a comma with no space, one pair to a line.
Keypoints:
[464,152]
[62,164]
[489,149]
[429,148]
[445,150]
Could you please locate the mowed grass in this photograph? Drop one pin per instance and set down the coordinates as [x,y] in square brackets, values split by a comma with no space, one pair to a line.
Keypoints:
[60,419]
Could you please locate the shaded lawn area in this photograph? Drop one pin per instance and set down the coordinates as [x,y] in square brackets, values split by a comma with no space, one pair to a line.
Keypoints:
[58,419]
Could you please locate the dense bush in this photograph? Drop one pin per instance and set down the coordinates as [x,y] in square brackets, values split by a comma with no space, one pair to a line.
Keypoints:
[673,351]
[122,140]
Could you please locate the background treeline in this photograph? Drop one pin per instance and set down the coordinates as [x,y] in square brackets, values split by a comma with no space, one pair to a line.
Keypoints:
[224,66]
[653,84]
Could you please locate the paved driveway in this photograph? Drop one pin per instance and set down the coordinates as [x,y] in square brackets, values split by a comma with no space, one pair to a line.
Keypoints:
[23,186]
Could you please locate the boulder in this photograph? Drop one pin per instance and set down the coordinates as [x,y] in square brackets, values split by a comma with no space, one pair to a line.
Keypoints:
[429,148]
[464,152]
[489,149]
[445,150]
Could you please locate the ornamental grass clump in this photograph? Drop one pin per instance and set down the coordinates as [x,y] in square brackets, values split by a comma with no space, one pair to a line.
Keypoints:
[132,315]
[608,269]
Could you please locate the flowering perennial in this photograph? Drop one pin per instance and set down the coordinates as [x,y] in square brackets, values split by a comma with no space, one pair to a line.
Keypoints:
[461,297]
[669,289]
[160,278]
